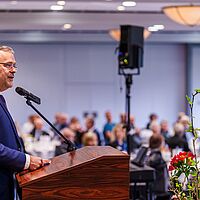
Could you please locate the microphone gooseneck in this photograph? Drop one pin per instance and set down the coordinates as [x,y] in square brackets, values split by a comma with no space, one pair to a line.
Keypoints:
[30,97]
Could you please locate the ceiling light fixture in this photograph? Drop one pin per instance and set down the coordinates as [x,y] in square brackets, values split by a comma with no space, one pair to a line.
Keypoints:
[61,3]
[56,7]
[129,3]
[184,14]
[120,8]
[152,29]
[159,26]
[116,34]
[13,2]
[67,26]
[156,27]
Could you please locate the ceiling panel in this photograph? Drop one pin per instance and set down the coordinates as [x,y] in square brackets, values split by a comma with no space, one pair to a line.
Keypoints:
[86,15]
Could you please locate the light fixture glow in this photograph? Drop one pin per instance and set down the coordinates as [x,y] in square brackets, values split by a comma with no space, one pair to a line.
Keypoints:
[56,7]
[116,34]
[184,14]
[67,26]
[120,8]
[61,3]
[129,3]
[159,26]
[152,29]
[13,2]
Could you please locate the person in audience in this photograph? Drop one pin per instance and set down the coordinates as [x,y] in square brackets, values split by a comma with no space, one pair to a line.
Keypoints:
[156,161]
[164,129]
[38,130]
[90,139]
[70,135]
[122,119]
[135,139]
[132,122]
[119,142]
[60,123]
[108,127]
[185,120]
[152,117]
[90,127]
[75,126]
[180,115]
[178,140]
[155,127]
[29,125]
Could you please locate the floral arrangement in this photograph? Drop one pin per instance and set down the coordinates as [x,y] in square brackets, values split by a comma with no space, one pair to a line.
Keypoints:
[185,176]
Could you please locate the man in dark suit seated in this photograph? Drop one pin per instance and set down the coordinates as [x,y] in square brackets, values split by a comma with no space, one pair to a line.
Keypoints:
[12,156]
[156,161]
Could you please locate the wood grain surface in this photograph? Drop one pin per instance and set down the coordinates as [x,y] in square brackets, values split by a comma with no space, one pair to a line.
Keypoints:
[89,173]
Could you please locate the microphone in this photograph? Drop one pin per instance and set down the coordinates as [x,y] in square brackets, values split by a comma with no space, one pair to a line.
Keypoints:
[28,95]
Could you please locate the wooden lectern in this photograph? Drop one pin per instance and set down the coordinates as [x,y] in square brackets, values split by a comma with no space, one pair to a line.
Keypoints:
[89,173]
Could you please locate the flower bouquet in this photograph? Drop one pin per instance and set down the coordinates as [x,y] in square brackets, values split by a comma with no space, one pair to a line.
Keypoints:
[185,177]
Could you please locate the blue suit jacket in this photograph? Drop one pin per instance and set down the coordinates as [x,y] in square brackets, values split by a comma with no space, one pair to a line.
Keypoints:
[12,158]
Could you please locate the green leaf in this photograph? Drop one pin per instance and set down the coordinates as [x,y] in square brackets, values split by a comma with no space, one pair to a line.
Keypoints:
[195,135]
[190,128]
[189,100]
[197,90]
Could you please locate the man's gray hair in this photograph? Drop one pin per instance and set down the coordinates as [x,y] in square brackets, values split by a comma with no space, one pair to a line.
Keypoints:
[6,49]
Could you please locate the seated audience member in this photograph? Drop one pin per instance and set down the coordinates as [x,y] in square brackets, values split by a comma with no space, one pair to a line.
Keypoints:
[90,127]
[155,127]
[132,122]
[119,141]
[152,117]
[75,126]
[122,117]
[60,123]
[156,161]
[28,126]
[180,115]
[145,134]
[38,130]
[135,139]
[178,140]
[70,135]
[108,127]
[185,121]
[90,139]
[165,129]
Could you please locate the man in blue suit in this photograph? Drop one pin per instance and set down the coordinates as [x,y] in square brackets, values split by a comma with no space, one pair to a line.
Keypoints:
[12,156]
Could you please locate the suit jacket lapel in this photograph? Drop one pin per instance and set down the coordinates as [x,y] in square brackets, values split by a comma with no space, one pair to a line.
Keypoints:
[3,105]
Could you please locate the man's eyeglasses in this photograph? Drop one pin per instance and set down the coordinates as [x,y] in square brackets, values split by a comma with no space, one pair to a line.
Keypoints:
[9,65]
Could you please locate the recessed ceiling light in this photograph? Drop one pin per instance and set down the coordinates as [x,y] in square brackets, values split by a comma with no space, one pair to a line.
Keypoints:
[129,3]
[61,3]
[120,8]
[108,0]
[56,7]
[152,29]
[159,26]
[67,26]
[14,2]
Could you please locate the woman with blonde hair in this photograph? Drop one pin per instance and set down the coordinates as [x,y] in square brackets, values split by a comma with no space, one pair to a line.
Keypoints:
[119,141]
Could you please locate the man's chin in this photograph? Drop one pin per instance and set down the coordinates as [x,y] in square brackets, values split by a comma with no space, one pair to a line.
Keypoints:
[10,85]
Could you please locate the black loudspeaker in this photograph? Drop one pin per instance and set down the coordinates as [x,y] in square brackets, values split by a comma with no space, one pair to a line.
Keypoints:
[131,47]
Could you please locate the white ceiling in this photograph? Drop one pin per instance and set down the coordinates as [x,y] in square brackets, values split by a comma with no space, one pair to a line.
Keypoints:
[86,15]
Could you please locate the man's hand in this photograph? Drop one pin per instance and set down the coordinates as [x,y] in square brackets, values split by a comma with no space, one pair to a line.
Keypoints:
[37,162]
